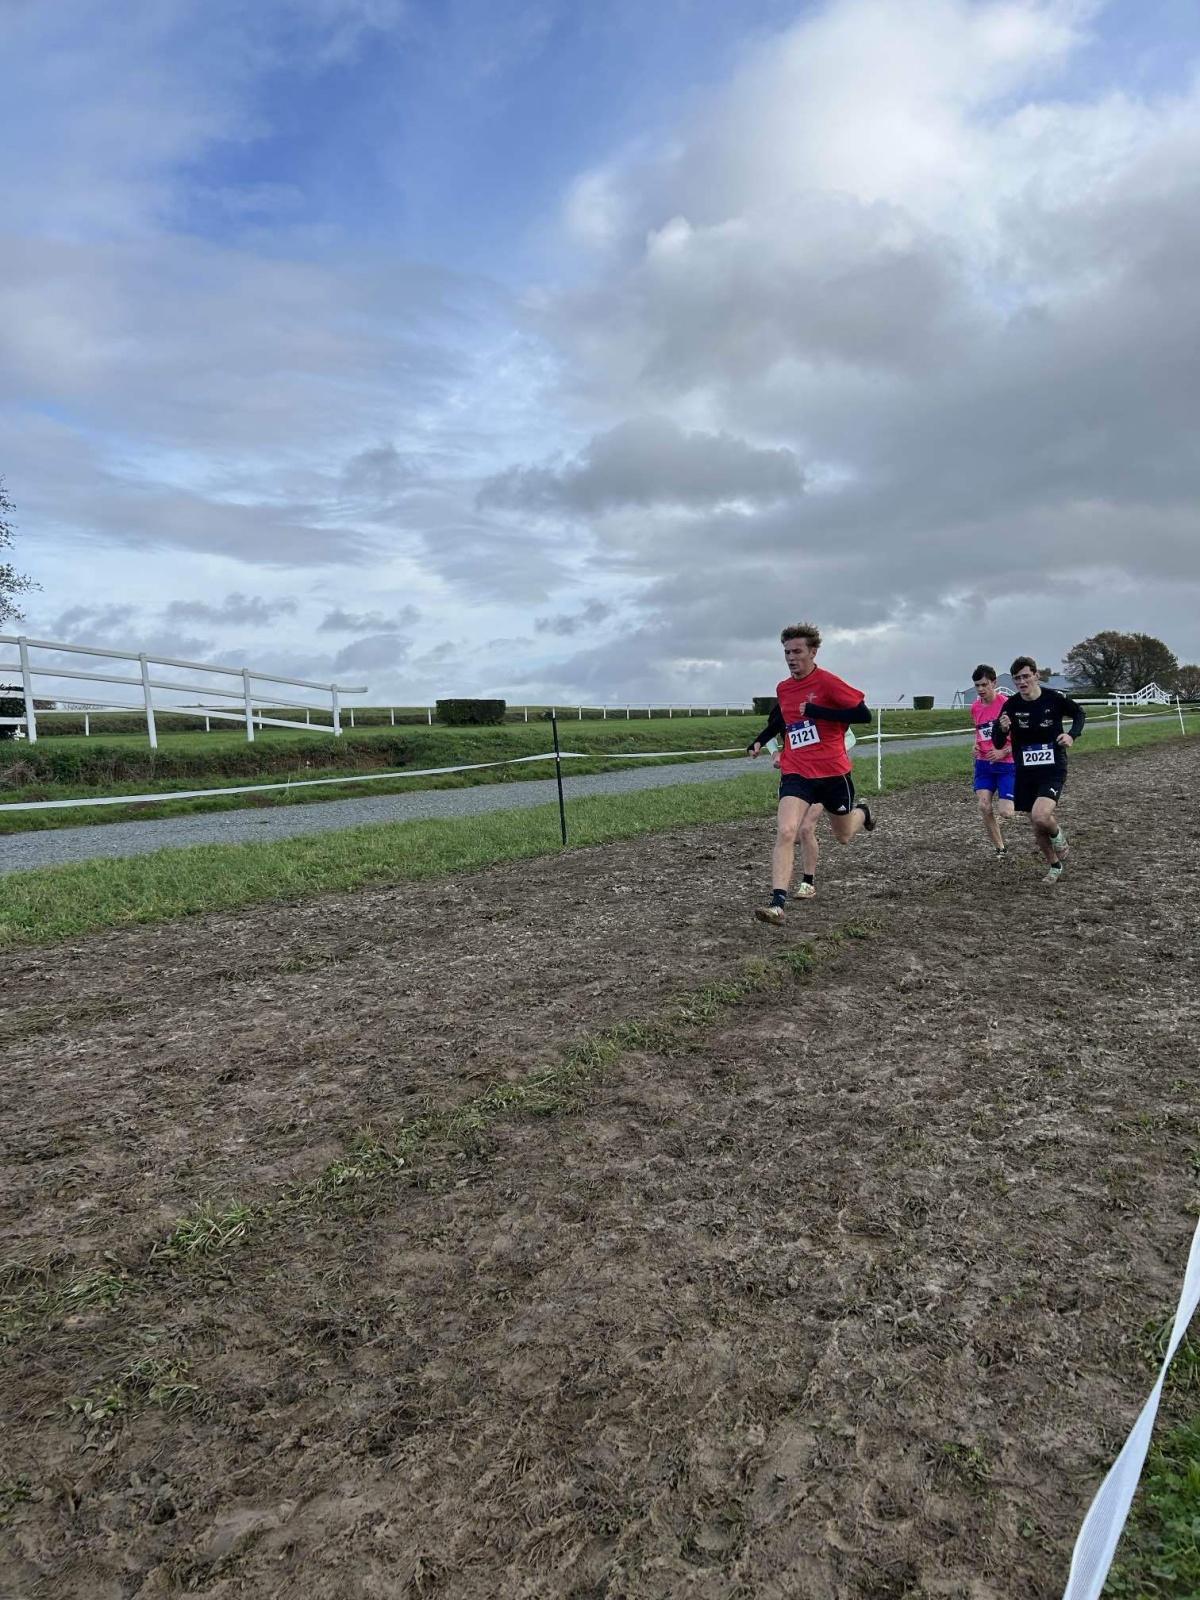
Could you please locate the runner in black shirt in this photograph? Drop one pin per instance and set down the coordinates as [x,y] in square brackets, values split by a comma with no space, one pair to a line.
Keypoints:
[1033,718]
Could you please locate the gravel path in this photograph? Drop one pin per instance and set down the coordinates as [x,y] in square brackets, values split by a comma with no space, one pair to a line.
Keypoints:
[55,847]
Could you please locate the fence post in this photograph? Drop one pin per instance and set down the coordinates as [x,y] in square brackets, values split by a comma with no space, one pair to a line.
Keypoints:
[307,717]
[581,713]
[1118,724]
[628,713]
[151,727]
[392,715]
[1179,709]
[878,749]
[603,713]
[562,810]
[351,716]
[429,715]
[27,683]
[337,711]
[526,713]
[249,704]
[87,724]
[207,723]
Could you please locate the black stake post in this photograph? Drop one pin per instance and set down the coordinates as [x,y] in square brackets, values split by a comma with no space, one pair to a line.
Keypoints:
[562,810]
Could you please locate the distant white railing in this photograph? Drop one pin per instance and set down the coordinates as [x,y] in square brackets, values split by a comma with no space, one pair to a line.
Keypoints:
[251,712]
[1149,694]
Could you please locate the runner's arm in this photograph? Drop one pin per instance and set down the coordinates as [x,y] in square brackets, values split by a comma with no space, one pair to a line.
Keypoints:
[999,737]
[858,713]
[773,730]
[1078,716]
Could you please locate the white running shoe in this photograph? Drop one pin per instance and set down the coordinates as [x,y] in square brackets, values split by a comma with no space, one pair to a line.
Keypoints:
[772,914]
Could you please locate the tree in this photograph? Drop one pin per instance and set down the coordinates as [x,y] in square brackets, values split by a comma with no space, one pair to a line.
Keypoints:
[1110,660]
[1098,663]
[12,582]
[1150,661]
[1187,681]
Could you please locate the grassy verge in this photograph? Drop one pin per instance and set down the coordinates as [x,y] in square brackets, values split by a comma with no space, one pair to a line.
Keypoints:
[79,769]
[62,902]
[1159,1555]
[111,768]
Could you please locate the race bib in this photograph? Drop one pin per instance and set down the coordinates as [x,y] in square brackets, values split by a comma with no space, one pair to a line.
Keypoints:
[1038,755]
[985,730]
[801,734]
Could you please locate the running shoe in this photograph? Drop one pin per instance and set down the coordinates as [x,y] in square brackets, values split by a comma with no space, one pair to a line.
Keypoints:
[1054,873]
[771,914]
[804,891]
[868,819]
[1001,851]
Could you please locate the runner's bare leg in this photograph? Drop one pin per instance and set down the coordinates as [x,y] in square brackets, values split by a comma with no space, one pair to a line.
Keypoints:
[810,849]
[1045,826]
[792,812]
[988,817]
[847,825]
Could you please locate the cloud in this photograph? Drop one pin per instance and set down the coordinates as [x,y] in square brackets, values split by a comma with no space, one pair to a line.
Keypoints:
[234,610]
[94,623]
[647,461]
[568,623]
[965,306]
[340,621]
[372,651]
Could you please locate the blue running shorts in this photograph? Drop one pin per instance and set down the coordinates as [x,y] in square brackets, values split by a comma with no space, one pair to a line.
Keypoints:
[997,777]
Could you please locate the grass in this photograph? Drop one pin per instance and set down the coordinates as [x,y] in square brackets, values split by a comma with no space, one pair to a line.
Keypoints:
[54,903]
[35,1296]
[148,1381]
[75,768]
[81,769]
[1159,1555]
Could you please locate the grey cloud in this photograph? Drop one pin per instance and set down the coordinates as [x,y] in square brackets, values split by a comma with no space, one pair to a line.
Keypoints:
[78,495]
[234,610]
[340,621]
[567,623]
[647,461]
[97,623]
[380,472]
[374,650]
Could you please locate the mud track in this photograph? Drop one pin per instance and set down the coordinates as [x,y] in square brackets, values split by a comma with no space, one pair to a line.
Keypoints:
[841,1290]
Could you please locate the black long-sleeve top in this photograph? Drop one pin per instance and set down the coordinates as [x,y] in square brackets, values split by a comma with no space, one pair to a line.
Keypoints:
[1038,723]
[775,727]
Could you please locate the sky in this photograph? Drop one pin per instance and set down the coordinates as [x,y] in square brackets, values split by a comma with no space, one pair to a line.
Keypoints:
[565,350]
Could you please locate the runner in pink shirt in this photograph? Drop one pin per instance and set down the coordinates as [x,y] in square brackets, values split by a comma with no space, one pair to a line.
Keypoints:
[994,776]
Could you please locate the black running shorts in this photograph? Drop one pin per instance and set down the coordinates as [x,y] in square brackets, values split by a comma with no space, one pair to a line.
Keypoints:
[1046,784]
[835,794]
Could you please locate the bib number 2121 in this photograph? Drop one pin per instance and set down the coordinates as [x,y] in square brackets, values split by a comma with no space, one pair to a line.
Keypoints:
[800,734]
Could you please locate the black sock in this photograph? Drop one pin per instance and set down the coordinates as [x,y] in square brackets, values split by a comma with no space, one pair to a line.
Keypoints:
[779,897]
[807,878]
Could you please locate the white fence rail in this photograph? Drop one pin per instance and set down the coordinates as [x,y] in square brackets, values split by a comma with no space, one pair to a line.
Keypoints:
[251,702]
[1148,694]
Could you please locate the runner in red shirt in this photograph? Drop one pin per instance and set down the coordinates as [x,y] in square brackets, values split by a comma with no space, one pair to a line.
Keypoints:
[811,716]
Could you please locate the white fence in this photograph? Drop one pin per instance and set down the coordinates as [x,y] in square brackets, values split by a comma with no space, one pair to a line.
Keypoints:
[251,711]
[1148,694]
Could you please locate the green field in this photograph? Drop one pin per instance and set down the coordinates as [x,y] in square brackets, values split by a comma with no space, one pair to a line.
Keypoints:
[69,767]
[62,902]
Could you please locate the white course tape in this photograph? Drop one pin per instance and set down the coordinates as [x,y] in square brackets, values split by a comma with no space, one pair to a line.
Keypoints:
[358,777]
[1102,1526]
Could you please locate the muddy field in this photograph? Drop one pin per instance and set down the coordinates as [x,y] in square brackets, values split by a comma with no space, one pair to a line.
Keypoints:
[834,1282]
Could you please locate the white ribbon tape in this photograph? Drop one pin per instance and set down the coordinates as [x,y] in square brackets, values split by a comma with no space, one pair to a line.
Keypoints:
[1102,1526]
[358,777]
